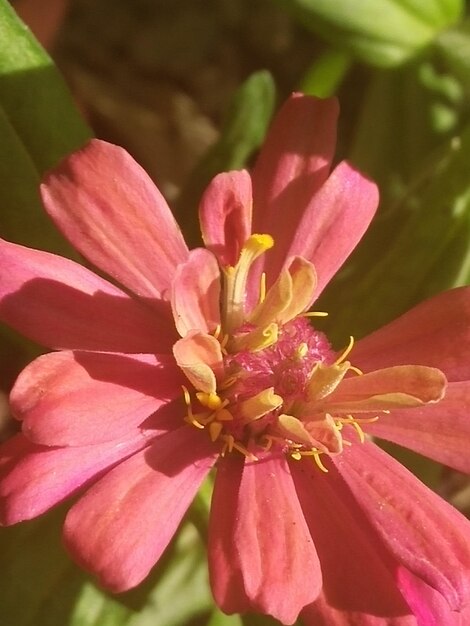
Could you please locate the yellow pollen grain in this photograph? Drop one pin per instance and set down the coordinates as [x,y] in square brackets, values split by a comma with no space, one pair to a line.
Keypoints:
[302,350]
[259,243]
[210,400]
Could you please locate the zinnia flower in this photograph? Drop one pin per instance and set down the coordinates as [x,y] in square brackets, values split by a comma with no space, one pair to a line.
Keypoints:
[208,358]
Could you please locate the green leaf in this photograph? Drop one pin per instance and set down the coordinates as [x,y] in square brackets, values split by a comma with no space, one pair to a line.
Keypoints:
[324,76]
[40,585]
[429,250]
[384,33]
[453,48]
[220,619]
[39,124]
[241,134]
[34,96]
[22,218]
[399,124]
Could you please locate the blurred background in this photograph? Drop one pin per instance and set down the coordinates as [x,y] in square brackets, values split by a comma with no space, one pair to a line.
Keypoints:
[188,87]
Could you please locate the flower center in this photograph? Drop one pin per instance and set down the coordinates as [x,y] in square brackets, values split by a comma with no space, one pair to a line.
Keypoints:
[275,369]
[285,366]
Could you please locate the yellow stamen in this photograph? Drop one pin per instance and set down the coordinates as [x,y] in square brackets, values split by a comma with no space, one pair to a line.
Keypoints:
[187,397]
[319,463]
[262,288]
[315,314]
[193,422]
[224,415]
[346,351]
[228,382]
[236,278]
[355,423]
[210,400]
[356,370]
[215,428]
[258,339]
[297,455]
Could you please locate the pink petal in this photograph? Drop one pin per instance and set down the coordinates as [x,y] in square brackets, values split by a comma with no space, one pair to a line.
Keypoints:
[400,386]
[225,215]
[196,293]
[332,224]
[200,357]
[261,556]
[422,532]
[434,333]
[120,527]
[440,431]
[293,164]
[34,478]
[60,304]
[358,586]
[82,398]
[111,212]
[429,607]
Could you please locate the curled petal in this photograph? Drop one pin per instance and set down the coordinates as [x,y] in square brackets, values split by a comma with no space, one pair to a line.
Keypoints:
[389,388]
[291,428]
[258,405]
[225,215]
[35,478]
[196,293]
[434,333]
[291,294]
[110,210]
[200,357]
[120,527]
[440,431]
[83,398]
[423,533]
[52,300]
[275,572]
[325,379]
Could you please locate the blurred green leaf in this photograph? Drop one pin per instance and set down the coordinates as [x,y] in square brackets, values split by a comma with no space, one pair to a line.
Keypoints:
[242,133]
[453,48]
[40,585]
[401,122]
[39,124]
[383,33]
[428,249]
[34,96]
[324,76]
[220,619]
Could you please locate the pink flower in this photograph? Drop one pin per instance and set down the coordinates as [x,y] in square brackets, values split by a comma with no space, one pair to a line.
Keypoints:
[205,358]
